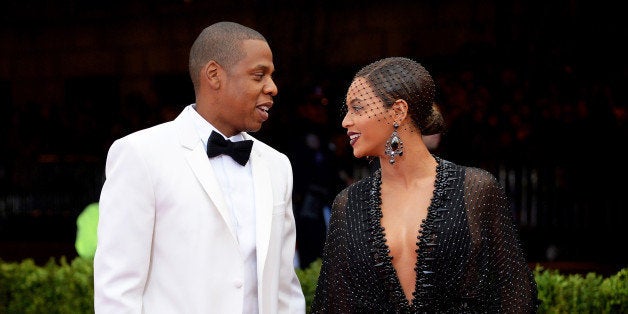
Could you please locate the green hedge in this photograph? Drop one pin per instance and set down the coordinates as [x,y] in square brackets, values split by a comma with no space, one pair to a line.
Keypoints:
[582,294]
[60,287]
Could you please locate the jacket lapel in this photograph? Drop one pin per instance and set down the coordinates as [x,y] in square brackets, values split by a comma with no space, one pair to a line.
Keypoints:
[196,157]
[263,204]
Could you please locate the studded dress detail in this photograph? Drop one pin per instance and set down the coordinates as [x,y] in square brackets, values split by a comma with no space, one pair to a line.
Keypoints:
[469,253]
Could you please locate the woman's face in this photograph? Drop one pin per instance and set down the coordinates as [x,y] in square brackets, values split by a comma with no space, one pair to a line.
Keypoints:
[368,123]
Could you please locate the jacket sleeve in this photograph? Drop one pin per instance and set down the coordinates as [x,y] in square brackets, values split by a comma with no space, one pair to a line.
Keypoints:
[332,294]
[290,299]
[125,230]
[511,286]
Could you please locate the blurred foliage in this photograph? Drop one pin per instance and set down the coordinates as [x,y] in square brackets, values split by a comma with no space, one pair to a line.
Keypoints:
[308,278]
[55,288]
[582,294]
[60,287]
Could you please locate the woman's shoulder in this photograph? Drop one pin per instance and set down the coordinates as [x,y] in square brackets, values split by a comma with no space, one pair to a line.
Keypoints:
[471,173]
[357,189]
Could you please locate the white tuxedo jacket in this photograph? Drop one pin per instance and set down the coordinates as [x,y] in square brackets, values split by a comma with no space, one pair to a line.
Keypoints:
[165,244]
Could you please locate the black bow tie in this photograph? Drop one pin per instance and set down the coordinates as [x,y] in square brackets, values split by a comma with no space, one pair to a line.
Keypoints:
[239,151]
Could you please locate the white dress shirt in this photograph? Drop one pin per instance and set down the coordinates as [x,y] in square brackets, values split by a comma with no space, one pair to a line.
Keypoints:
[236,182]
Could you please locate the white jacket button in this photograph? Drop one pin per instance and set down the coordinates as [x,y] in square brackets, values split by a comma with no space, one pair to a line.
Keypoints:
[238,283]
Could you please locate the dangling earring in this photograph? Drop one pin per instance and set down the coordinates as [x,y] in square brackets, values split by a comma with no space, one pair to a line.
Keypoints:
[394,145]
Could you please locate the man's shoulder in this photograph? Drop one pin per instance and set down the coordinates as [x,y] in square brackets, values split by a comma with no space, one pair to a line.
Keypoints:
[263,147]
[157,133]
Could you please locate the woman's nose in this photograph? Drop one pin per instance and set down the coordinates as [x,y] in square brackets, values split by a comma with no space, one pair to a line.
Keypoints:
[346,121]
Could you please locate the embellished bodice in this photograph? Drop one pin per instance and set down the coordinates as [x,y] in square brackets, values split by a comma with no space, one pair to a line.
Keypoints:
[469,257]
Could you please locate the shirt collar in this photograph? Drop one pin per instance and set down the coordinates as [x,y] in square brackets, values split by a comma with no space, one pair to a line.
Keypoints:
[204,128]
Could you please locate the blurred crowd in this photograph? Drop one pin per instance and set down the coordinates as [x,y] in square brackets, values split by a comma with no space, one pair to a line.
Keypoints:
[563,118]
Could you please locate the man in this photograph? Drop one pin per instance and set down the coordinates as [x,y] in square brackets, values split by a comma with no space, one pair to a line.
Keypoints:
[186,229]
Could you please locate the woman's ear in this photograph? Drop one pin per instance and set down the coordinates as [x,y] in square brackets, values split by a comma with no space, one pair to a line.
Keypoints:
[400,110]
[211,74]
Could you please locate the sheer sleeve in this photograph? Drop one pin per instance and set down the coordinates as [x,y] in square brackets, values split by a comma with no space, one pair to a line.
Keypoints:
[332,289]
[509,282]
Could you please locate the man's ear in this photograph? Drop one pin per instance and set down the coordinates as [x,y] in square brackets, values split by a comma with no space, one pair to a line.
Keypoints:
[211,74]
[400,110]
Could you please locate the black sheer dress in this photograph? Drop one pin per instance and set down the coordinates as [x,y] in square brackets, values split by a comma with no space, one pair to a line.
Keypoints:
[469,254]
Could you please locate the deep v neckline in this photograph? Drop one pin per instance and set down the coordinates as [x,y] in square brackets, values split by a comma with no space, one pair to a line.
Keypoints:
[425,241]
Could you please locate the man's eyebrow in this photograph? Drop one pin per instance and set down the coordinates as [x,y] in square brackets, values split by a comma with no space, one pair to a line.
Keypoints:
[262,67]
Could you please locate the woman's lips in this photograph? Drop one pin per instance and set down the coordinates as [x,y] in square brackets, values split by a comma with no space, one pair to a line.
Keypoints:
[353,137]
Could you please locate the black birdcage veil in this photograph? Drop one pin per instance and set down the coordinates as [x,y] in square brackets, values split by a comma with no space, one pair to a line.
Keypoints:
[388,80]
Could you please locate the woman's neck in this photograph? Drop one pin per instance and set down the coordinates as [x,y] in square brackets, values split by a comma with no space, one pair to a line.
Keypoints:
[416,163]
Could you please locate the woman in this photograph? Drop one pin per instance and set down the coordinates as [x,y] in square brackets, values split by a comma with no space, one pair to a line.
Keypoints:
[421,234]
